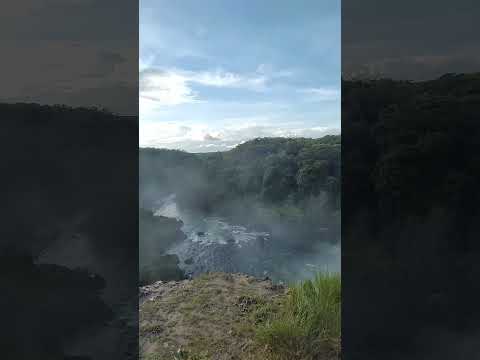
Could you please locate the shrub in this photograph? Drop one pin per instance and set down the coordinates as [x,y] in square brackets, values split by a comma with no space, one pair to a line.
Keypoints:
[308,324]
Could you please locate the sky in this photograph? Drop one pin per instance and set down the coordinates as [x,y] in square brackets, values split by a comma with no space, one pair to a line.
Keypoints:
[409,39]
[216,73]
[72,52]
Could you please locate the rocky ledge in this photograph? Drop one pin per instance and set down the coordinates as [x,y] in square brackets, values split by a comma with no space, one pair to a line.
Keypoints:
[212,317]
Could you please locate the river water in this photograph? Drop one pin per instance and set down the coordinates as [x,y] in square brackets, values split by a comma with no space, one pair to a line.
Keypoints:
[214,243]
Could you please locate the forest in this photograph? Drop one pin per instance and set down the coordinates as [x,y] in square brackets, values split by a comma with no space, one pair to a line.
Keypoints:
[273,170]
[410,211]
[290,176]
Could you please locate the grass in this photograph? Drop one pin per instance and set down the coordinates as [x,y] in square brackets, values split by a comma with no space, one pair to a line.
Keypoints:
[307,325]
[185,355]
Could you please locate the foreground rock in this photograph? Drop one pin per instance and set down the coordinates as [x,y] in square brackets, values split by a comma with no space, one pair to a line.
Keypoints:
[210,317]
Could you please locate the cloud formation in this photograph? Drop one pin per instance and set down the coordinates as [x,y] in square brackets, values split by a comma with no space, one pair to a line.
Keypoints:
[321,94]
[208,137]
[173,87]
[166,88]
[232,72]
[204,138]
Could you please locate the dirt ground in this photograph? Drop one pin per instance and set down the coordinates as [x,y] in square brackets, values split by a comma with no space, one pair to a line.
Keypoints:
[212,317]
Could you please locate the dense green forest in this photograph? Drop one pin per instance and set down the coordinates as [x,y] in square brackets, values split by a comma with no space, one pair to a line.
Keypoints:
[429,126]
[410,208]
[273,171]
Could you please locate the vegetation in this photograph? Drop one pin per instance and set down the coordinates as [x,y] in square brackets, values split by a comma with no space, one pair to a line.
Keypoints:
[230,316]
[210,317]
[68,178]
[410,188]
[265,181]
[156,234]
[273,170]
[307,324]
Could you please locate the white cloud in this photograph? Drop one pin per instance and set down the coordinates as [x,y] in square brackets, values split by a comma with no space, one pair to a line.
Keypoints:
[221,78]
[269,71]
[205,138]
[145,62]
[166,88]
[164,133]
[321,94]
[173,87]
[209,137]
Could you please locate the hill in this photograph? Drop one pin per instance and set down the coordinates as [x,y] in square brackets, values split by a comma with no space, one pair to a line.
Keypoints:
[273,170]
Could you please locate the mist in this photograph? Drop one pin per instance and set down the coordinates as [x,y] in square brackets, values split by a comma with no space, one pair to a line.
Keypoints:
[71,229]
[268,208]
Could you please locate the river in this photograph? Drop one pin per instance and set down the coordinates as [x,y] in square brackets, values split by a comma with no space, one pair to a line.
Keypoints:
[214,243]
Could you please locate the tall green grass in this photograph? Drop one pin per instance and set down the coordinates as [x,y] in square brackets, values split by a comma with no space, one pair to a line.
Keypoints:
[308,323]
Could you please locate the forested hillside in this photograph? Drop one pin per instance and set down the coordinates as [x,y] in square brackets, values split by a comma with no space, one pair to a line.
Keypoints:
[69,205]
[410,208]
[272,170]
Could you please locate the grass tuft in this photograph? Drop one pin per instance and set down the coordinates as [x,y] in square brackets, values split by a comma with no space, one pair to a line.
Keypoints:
[308,325]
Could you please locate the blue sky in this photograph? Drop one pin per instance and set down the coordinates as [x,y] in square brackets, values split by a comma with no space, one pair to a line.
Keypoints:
[215,73]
